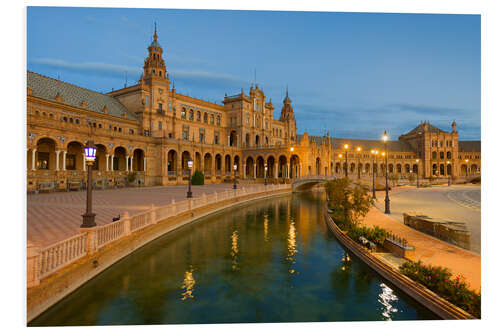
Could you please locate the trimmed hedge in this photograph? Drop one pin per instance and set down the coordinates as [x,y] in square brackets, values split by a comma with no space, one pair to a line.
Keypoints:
[375,234]
[438,279]
[198,178]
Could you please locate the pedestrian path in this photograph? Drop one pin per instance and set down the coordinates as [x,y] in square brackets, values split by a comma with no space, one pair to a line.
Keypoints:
[431,250]
[52,217]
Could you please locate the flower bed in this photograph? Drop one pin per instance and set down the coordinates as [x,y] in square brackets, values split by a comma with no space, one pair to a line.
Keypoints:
[439,280]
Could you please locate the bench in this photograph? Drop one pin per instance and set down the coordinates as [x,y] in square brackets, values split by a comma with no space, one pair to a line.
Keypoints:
[46,187]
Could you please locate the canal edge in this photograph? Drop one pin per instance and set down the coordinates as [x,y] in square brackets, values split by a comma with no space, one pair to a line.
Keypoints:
[56,287]
[424,296]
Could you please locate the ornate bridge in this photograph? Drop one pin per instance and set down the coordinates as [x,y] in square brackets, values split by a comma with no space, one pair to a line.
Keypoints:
[306,182]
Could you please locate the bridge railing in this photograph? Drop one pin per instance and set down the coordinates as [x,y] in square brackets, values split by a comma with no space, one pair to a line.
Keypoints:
[43,262]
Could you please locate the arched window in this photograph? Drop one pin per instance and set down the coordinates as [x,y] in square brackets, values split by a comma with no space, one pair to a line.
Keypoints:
[183,113]
[434,155]
[218,120]
[211,119]
[441,155]
[205,118]
[198,116]
[191,114]
[448,155]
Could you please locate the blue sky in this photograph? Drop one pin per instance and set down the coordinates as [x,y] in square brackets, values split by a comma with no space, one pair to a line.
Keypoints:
[353,74]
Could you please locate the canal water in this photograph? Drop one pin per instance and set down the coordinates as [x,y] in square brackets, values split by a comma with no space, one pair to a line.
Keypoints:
[270,261]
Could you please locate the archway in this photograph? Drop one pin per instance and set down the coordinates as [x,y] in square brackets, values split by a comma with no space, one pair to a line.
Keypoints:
[207,164]
[473,169]
[138,160]
[45,154]
[318,166]
[407,168]
[227,164]
[218,163]
[74,156]
[249,167]
[100,158]
[236,160]
[448,169]
[463,170]
[282,166]
[197,162]
[257,141]
[172,162]
[120,159]
[260,167]
[233,139]
[185,157]
[270,166]
[441,169]
[434,169]
[294,167]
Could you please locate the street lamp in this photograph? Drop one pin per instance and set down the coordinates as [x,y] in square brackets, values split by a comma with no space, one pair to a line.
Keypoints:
[190,166]
[346,146]
[467,169]
[89,217]
[359,159]
[234,168]
[418,170]
[265,174]
[374,153]
[449,176]
[387,201]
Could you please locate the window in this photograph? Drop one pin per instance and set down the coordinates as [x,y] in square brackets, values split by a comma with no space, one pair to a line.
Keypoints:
[191,114]
[218,120]
[159,126]
[183,113]
[70,162]
[205,118]
[185,132]
[100,126]
[202,137]
[160,108]
[130,131]
[216,137]
[114,128]
[448,155]
[211,119]
[146,101]
[198,116]
[71,120]
[441,155]
[43,160]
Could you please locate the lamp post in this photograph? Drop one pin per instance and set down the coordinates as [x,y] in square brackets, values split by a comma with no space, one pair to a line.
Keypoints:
[234,168]
[387,201]
[346,146]
[359,159]
[449,176]
[467,169]
[340,159]
[89,217]
[374,153]
[265,174]
[190,166]
[418,170]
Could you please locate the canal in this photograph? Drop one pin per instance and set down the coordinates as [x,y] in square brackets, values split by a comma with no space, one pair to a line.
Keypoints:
[269,261]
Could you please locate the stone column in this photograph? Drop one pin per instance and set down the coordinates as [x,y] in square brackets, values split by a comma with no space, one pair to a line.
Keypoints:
[144,165]
[276,166]
[112,162]
[64,160]
[126,163]
[107,162]
[287,170]
[57,159]
[33,158]
[84,167]
[244,171]
[300,170]
[131,163]
[254,170]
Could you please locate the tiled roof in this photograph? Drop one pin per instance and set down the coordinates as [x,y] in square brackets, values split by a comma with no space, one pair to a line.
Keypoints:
[338,143]
[420,128]
[48,88]
[469,146]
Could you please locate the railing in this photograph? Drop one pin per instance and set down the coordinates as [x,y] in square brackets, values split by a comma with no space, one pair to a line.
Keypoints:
[61,254]
[54,257]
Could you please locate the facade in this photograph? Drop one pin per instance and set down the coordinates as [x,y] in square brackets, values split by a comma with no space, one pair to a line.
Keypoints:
[152,130]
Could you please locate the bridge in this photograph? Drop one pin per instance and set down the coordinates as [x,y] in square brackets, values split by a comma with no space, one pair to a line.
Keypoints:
[303,183]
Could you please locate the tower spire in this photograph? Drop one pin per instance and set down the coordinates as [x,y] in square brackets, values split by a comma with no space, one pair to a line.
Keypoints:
[155,35]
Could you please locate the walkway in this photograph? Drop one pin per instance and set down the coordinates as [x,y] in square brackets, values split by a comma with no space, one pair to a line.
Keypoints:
[56,216]
[432,250]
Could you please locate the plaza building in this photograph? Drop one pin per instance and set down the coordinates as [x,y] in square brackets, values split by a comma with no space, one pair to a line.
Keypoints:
[151,130]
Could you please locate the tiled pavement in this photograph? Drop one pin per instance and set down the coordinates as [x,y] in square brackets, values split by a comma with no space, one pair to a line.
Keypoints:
[52,217]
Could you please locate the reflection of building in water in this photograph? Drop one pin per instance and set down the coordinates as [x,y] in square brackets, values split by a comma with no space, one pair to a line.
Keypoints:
[266,226]
[188,285]
[234,249]
[346,262]
[292,246]
[385,298]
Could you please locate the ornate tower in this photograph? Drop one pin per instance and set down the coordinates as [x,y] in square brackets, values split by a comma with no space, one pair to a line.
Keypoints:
[288,118]
[154,66]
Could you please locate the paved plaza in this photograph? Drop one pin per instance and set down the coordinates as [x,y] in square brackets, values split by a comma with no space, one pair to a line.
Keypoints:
[52,217]
[460,203]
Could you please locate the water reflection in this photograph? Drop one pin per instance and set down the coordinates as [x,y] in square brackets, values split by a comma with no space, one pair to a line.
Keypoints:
[385,298]
[188,285]
[234,249]
[292,246]
[266,223]
[346,262]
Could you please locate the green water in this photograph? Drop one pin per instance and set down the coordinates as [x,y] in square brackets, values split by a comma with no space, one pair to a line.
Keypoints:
[271,261]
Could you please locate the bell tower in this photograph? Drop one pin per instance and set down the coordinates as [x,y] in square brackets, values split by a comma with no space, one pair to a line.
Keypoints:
[288,118]
[154,65]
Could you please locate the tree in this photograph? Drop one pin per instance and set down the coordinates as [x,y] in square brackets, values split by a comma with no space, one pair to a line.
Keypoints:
[349,202]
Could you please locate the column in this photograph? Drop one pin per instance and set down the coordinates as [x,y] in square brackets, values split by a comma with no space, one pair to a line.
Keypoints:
[107,162]
[300,170]
[112,162]
[83,160]
[33,157]
[254,170]
[131,163]
[144,165]
[288,170]
[126,163]
[276,170]
[244,171]
[57,159]
[64,160]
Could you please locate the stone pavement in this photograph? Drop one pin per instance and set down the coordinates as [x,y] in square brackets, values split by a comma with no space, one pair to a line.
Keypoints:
[432,250]
[53,217]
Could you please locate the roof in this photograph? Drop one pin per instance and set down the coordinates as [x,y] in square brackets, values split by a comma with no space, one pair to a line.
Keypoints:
[48,88]
[421,127]
[469,146]
[338,143]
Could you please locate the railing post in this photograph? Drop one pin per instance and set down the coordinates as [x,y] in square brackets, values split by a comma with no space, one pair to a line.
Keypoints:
[152,215]
[126,224]
[33,270]
[91,239]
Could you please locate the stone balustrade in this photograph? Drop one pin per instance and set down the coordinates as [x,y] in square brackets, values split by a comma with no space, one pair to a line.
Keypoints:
[46,261]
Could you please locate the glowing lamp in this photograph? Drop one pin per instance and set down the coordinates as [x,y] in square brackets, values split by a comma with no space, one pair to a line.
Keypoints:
[190,164]
[90,152]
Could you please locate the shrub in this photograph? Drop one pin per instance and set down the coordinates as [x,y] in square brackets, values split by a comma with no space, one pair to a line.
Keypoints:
[476,180]
[131,177]
[438,279]
[198,178]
